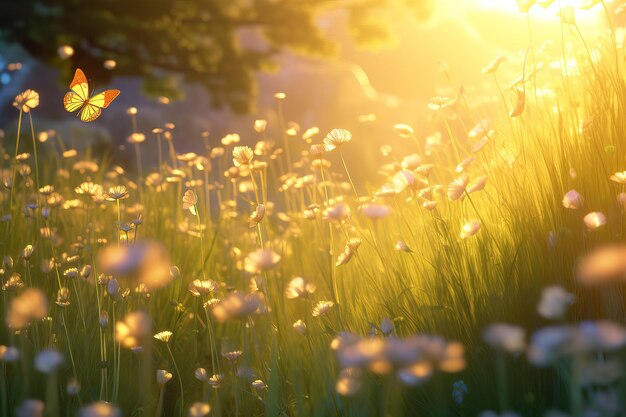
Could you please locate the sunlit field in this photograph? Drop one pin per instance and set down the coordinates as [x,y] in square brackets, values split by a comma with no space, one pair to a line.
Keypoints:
[264,274]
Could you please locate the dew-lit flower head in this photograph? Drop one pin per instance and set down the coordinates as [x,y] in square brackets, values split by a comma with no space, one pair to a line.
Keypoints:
[242,156]
[118,192]
[100,409]
[260,125]
[299,288]
[190,201]
[336,138]
[299,326]
[403,130]
[456,189]
[322,308]
[402,246]
[572,200]
[256,216]
[163,336]
[619,177]
[470,229]
[26,100]
[163,376]
[594,220]
[136,138]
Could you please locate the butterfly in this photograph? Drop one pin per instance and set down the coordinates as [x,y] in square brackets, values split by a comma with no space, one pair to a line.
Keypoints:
[89,108]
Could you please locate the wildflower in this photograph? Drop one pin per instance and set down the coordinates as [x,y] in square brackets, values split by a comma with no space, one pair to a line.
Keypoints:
[553,342]
[13,283]
[375,211]
[30,408]
[85,271]
[26,100]
[505,337]
[109,64]
[416,373]
[349,251]
[118,192]
[299,288]
[602,265]
[133,329]
[230,139]
[29,306]
[554,302]
[619,177]
[256,216]
[163,377]
[9,353]
[459,389]
[65,51]
[470,229]
[103,319]
[136,138]
[63,297]
[336,138]
[402,246]
[386,326]
[404,130]
[300,327]
[201,374]
[456,188]
[71,273]
[147,261]
[235,306]
[242,156]
[572,200]
[477,184]
[163,336]
[349,381]
[321,308]
[216,381]
[594,220]
[232,355]
[48,360]
[27,252]
[199,409]
[261,260]
[73,386]
[190,201]
[339,211]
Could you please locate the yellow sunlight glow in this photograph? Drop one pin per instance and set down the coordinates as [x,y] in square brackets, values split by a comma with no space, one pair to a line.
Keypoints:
[550,12]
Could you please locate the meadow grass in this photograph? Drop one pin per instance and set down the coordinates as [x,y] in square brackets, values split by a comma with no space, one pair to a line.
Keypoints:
[221,282]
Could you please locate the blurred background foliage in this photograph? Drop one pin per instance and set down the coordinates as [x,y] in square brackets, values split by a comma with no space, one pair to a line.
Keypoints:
[219,44]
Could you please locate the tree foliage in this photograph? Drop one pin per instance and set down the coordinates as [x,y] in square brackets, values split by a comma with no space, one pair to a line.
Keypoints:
[220,44]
